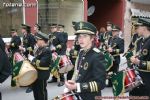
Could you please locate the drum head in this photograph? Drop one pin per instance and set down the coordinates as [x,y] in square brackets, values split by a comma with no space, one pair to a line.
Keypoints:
[28,78]
[27,74]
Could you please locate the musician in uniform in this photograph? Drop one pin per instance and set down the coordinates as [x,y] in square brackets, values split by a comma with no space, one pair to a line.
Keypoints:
[58,44]
[109,30]
[136,41]
[37,28]
[101,35]
[15,41]
[73,56]
[41,62]
[133,40]
[65,34]
[13,48]
[28,44]
[28,40]
[143,59]
[134,46]
[105,36]
[89,76]
[115,48]
[73,53]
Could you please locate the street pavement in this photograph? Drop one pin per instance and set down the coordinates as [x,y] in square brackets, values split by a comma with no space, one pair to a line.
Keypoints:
[18,93]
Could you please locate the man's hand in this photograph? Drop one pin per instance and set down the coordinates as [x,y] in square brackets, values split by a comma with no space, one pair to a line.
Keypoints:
[135,60]
[22,48]
[71,85]
[110,49]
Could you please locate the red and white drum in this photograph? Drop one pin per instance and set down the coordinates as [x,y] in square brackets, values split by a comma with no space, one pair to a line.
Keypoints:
[65,96]
[18,57]
[65,64]
[132,79]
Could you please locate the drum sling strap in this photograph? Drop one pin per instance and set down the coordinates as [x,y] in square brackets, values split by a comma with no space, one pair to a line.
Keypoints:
[16,70]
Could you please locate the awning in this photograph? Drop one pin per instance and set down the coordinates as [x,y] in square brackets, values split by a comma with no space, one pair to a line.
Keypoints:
[139,13]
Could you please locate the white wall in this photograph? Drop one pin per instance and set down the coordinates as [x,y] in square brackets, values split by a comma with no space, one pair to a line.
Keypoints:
[70,11]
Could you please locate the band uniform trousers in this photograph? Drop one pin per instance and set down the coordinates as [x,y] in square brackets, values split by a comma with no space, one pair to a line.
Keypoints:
[39,88]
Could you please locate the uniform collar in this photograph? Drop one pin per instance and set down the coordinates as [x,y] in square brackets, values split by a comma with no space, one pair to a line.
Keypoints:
[86,51]
[147,38]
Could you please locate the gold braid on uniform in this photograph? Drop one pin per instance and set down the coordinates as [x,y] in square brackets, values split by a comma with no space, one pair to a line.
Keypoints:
[37,65]
[148,65]
[90,86]
[145,65]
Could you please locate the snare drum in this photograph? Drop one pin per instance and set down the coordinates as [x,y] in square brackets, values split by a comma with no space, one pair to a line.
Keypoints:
[18,57]
[65,96]
[125,81]
[132,79]
[24,73]
[65,64]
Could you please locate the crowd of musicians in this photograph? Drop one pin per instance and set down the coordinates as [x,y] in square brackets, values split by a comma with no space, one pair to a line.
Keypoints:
[95,57]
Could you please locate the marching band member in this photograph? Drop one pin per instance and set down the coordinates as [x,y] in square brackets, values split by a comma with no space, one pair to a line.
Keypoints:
[116,47]
[14,47]
[28,44]
[105,36]
[58,43]
[37,28]
[101,35]
[73,53]
[134,46]
[143,59]
[15,41]
[89,76]
[73,56]
[65,34]
[108,34]
[42,62]
[28,40]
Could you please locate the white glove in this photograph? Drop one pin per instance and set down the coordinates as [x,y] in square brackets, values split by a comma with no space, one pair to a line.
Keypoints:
[22,48]
[30,57]
[52,47]
[66,90]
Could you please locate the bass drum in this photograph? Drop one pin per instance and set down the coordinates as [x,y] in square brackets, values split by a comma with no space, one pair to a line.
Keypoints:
[25,75]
